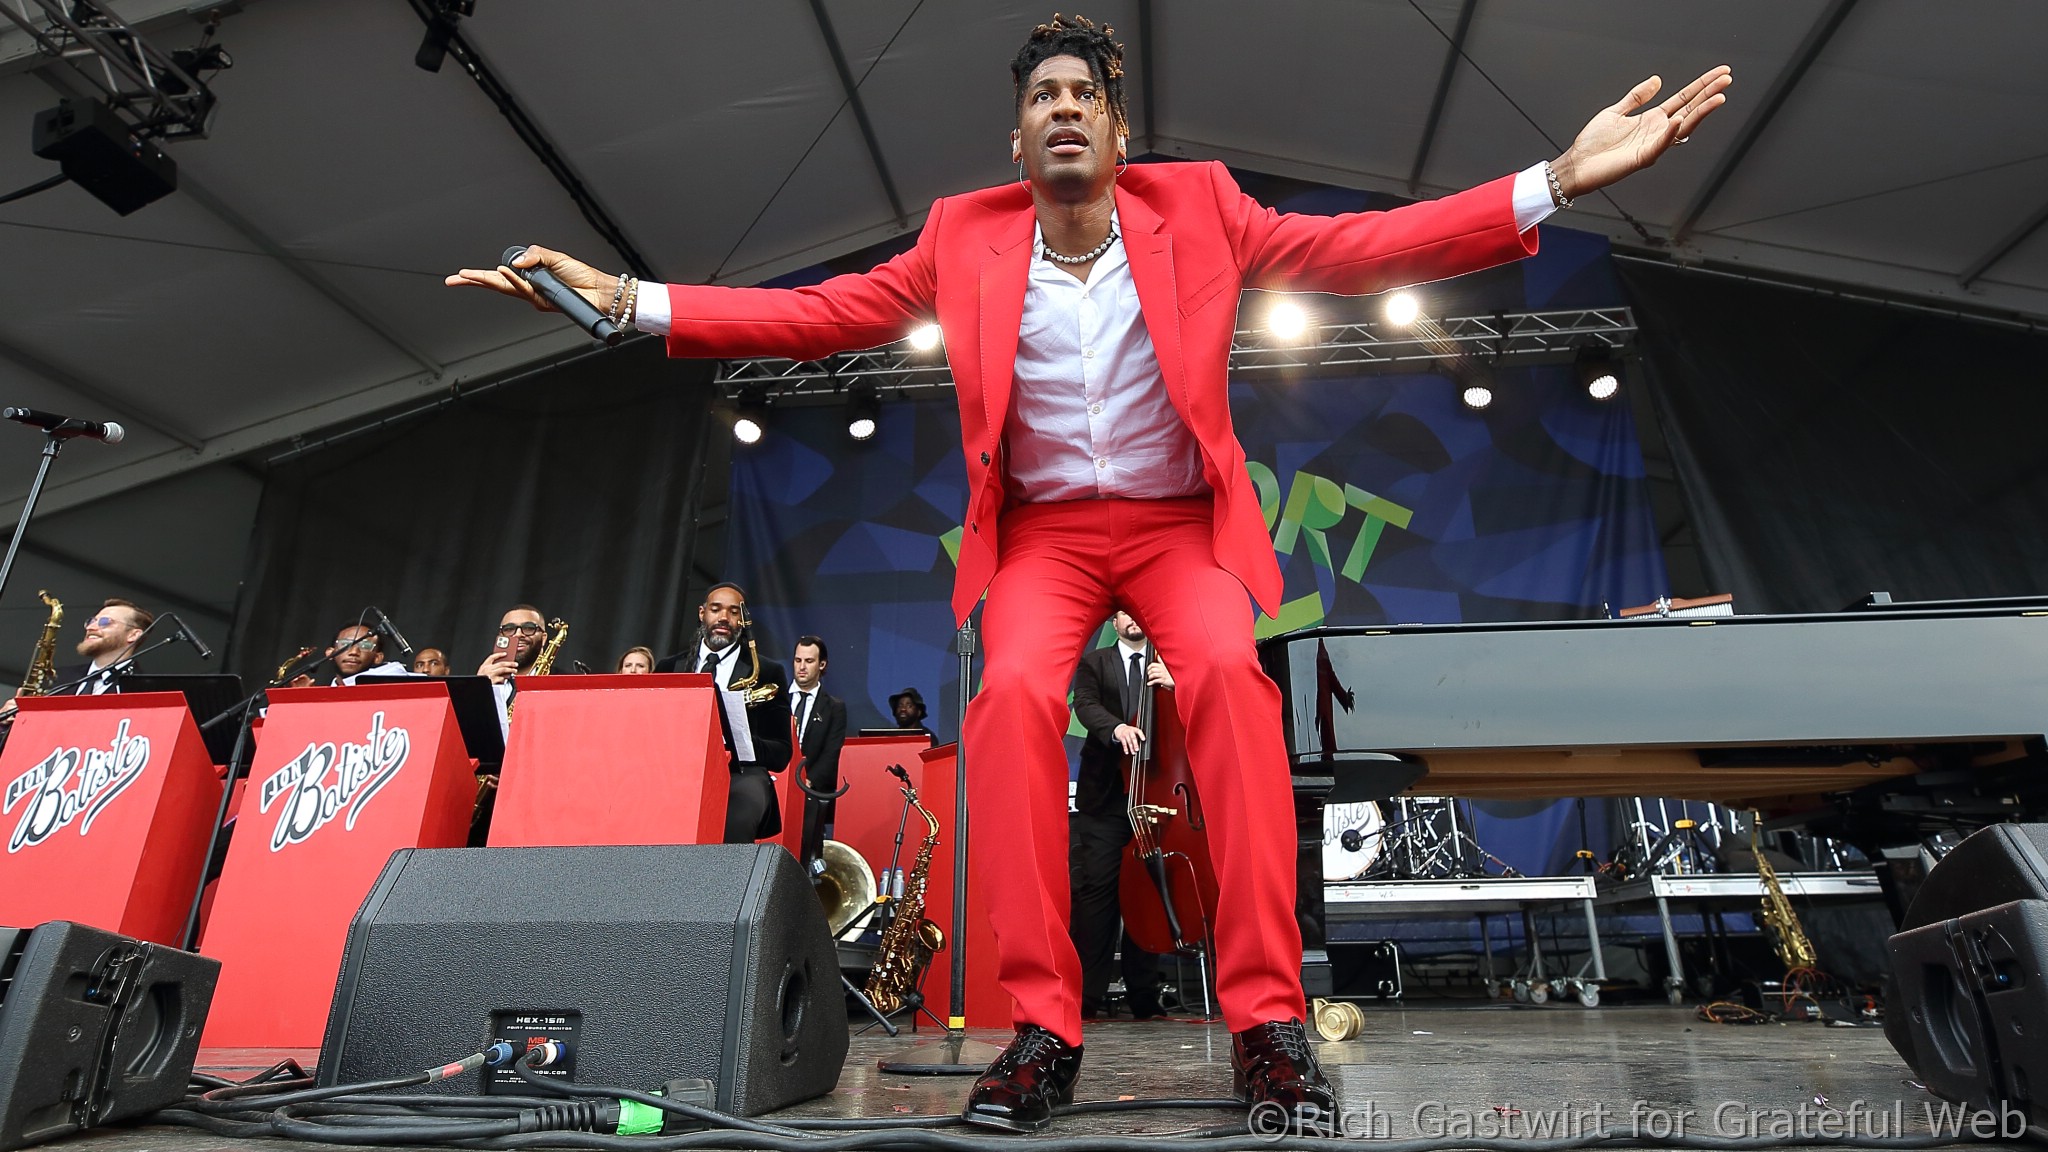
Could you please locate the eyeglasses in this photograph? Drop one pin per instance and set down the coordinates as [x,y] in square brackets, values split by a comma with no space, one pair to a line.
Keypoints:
[360,644]
[528,629]
[105,622]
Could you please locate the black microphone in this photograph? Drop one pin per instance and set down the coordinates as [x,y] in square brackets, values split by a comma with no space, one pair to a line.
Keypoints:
[66,427]
[566,299]
[188,636]
[897,771]
[391,630]
[586,669]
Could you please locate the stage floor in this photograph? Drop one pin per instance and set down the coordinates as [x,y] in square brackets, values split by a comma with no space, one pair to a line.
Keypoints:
[1501,1069]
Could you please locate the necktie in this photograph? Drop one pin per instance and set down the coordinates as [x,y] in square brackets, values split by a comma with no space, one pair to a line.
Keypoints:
[709,663]
[1133,691]
[803,715]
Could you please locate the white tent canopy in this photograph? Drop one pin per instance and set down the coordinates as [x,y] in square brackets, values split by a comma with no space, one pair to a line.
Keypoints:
[293,281]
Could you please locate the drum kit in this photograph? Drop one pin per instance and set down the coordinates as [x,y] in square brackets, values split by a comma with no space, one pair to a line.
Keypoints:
[1404,838]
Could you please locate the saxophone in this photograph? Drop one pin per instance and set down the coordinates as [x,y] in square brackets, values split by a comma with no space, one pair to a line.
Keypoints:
[42,665]
[910,939]
[545,662]
[1781,923]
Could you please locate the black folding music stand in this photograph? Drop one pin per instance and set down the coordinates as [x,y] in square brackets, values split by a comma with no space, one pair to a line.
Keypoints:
[207,694]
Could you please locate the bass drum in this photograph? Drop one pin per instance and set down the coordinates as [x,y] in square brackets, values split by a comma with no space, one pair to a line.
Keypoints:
[1352,836]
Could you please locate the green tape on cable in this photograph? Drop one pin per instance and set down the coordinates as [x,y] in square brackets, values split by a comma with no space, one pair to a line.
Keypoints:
[637,1119]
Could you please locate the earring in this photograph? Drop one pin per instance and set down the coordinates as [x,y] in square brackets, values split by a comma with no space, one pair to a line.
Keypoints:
[1020,172]
[1123,165]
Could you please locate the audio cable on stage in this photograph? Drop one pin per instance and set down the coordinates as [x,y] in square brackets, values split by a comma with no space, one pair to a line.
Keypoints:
[284,1102]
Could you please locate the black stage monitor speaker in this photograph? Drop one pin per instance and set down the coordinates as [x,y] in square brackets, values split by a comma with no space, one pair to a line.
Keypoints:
[94,1027]
[651,963]
[1968,1002]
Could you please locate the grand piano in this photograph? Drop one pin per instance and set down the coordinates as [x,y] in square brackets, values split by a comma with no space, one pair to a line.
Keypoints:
[1880,724]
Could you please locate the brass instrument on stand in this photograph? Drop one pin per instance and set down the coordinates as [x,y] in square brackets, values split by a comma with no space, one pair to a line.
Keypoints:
[910,938]
[846,887]
[1781,923]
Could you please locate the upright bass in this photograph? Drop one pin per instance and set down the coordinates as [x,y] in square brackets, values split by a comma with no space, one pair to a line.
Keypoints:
[1168,885]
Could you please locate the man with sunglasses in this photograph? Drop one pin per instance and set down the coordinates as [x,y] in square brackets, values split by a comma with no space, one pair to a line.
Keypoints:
[522,631]
[110,638]
[358,653]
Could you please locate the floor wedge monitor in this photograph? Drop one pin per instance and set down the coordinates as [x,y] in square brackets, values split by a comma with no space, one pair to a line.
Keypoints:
[648,963]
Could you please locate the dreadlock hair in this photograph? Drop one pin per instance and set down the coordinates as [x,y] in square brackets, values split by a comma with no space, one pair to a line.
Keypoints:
[1076,36]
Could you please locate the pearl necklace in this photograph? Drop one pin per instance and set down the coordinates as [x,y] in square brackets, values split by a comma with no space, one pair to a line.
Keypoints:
[1084,257]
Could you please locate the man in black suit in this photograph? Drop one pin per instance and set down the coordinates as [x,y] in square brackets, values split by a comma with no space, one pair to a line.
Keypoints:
[820,734]
[1106,688]
[755,696]
[110,637]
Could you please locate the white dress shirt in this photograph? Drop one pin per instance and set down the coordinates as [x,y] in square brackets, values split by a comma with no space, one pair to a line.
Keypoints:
[734,704]
[1089,416]
[801,700]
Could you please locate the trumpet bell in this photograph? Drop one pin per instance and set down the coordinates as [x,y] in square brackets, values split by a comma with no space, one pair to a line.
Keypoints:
[846,888]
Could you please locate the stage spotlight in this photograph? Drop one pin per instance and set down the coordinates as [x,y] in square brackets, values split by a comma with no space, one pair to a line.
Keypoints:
[1477,396]
[1598,372]
[752,416]
[863,408]
[1402,309]
[1287,320]
[925,338]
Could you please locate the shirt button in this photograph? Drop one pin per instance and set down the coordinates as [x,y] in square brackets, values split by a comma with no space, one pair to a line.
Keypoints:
[1095,409]
[1102,461]
[1087,353]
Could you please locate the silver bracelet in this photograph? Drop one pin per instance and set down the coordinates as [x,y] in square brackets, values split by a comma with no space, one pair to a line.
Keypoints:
[1557,195]
[631,312]
[619,293]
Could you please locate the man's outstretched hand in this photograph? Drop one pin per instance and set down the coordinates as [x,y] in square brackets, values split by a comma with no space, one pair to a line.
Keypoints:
[596,287]
[1621,140]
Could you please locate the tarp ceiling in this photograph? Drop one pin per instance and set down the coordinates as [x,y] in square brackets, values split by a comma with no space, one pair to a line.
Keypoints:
[294,280]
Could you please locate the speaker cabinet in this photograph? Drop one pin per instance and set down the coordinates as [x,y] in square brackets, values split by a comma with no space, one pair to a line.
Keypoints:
[651,963]
[1968,1001]
[95,1027]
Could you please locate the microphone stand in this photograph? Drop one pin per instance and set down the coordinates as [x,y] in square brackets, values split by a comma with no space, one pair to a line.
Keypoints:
[233,771]
[956,1055]
[52,444]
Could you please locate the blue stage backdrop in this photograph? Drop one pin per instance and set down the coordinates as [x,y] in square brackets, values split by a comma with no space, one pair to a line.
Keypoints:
[1387,501]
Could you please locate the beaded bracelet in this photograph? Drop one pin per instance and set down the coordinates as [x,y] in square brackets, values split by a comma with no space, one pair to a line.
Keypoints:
[618,293]
[632,309]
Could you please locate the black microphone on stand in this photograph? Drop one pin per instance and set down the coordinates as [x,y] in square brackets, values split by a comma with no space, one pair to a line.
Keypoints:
[391,630]
[565,299]
[66,427]
[186,634]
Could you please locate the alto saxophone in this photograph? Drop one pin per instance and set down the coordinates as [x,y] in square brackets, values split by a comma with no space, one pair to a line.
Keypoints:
[910,939]
[1781,923]
[42,665]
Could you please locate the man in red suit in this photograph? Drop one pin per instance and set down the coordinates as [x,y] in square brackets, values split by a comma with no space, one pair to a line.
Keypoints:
[1087,311]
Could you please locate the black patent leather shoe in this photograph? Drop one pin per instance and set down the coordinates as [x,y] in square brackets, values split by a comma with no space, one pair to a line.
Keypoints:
[1034,1075]
[1272,1065]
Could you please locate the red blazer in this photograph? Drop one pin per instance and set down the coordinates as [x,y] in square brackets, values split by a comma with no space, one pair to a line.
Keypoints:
[1194,242]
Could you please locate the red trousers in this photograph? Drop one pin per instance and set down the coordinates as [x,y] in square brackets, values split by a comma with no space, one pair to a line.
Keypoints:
[1062,570]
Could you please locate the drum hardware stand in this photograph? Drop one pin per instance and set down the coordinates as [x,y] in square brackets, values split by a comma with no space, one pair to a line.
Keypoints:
[1431,854]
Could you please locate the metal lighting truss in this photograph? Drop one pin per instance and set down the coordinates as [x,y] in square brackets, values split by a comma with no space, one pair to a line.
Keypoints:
[1500,339]
[155,94]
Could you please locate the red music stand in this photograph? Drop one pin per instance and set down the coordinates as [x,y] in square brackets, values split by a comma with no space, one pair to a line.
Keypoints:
[613,760]
[106,803]
[343,778]
[791,798]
